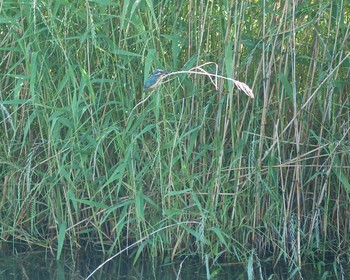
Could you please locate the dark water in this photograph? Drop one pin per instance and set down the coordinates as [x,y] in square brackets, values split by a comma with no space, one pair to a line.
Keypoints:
[42,266]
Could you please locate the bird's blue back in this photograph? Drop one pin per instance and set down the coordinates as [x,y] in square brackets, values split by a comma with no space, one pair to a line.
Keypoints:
[152,81]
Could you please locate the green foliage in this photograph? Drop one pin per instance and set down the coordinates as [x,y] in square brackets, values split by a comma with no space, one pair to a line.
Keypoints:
[86,161]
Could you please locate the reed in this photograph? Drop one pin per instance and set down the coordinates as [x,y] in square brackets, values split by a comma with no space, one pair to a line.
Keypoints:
[89,161]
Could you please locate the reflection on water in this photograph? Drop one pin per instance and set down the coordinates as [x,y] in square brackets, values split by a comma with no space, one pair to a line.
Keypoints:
[43,266]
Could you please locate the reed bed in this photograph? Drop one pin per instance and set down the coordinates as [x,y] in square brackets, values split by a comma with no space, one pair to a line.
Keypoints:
[90,162]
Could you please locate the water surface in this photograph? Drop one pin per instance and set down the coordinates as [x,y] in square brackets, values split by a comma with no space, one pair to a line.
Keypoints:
[43,266]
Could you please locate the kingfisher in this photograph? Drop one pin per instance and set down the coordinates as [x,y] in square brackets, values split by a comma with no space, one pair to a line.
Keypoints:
[153,81]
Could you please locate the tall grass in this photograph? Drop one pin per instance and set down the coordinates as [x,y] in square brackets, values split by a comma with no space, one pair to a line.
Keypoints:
[195,169]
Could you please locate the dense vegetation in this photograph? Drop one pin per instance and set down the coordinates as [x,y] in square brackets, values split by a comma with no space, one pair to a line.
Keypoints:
[193,170]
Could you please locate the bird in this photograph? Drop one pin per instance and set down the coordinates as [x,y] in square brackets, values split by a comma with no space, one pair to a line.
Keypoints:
[153,81]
